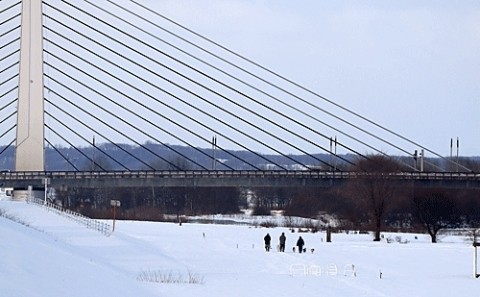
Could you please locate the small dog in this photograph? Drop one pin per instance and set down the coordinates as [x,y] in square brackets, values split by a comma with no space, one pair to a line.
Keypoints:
[312,250]
[294,249]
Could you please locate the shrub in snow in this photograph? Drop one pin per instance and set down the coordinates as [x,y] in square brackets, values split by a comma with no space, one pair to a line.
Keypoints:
[11,217]
[269,224]
[156,276]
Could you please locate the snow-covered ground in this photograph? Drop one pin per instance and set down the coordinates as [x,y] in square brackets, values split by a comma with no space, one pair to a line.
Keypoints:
[50,255]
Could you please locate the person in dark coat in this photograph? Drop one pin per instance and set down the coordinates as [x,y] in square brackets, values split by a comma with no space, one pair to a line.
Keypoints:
[300,244]
[267,239]
[282,242]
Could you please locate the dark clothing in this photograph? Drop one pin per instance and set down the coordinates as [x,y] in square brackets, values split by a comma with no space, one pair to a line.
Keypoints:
[267,239]
[282,242]
[300,244]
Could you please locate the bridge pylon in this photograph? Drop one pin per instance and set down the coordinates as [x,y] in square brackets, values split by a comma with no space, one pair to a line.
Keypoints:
[30,147]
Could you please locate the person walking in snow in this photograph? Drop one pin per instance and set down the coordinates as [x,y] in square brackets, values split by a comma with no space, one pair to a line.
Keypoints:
[282,242]
[267,239]
[300,244]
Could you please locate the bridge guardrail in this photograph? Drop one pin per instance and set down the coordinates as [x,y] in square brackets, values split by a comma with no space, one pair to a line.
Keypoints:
[234,173]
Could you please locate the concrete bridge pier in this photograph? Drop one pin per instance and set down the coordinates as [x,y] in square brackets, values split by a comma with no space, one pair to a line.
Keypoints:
[29,193]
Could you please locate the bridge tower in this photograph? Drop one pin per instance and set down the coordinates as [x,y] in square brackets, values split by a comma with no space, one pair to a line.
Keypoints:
[30,149]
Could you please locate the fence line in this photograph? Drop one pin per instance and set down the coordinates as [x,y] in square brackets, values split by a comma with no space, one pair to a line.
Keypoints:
[90,223]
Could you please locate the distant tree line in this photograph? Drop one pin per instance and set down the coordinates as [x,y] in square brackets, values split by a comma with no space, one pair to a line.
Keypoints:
[118,156]
[372,203]
[152,203]
[376,204]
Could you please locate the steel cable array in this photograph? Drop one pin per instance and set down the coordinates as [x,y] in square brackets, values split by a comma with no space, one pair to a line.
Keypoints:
[99,57]
[9,70]
[284,90]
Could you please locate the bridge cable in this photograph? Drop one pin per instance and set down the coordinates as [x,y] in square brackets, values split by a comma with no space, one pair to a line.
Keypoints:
[170,94]
[8,68]
[225,73]
[228,86]
[154,111]
[8,20]
[164,79]
[77,81]
[143,132]
[143,92]
[87,141]
[153,98]
[191,160]
[5,133]
[143,105]
[10,42]
[241,81]
[100,134]
[5,106]
[103,122]
[212,91]
[72,145]
[60,153]
[5,119]
[285,79]
[10,7]
[11,115]
[6,81]
[83,138]
[11,102]
[123,107]
[8,145]
[9,55]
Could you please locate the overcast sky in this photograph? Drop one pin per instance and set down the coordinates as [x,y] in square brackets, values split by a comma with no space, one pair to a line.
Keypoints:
[412,66]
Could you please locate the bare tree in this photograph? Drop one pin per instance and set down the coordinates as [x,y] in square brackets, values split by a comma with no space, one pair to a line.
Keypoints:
[469,206]
[436,210]
[304,204]
[373,191]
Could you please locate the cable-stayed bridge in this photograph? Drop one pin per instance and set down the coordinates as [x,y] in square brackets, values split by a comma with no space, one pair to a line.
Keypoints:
[101,83]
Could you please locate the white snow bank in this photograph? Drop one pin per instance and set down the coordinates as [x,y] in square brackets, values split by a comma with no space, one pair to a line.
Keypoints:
[56,257]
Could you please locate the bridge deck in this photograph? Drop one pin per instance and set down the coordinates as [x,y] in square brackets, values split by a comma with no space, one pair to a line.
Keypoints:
[204,178]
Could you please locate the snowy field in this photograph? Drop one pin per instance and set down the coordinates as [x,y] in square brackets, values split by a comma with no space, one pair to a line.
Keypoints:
[50,255]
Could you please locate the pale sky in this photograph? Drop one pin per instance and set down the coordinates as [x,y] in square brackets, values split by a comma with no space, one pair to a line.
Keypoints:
[412,66]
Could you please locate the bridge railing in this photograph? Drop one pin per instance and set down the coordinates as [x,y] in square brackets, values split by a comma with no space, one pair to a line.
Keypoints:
[260,173]
[311,174]
[93,224]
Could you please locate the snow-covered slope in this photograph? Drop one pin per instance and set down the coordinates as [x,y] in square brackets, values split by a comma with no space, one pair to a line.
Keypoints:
[49,255]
